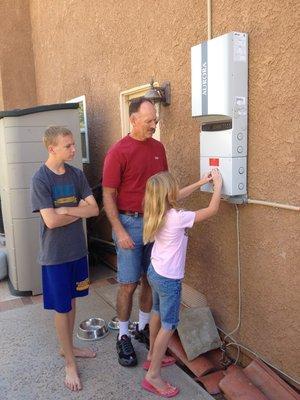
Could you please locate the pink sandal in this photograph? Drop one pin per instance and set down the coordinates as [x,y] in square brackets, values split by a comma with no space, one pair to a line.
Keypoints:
[166,361]
[170,392]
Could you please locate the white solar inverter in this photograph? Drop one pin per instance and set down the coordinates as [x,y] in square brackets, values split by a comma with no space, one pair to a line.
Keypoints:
[219,99]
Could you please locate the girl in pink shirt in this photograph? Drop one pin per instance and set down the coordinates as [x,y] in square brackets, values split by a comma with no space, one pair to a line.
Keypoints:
[167,225]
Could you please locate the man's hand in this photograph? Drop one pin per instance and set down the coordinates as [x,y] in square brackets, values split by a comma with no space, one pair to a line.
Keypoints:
[124,241]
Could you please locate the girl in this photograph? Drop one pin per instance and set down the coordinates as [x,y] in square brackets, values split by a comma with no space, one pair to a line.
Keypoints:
[166,225]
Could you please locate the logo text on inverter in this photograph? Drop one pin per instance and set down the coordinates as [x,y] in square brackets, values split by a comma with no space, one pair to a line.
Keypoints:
[204,78]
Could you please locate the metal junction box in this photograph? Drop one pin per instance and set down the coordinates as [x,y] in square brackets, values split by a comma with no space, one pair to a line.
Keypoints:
[219,100]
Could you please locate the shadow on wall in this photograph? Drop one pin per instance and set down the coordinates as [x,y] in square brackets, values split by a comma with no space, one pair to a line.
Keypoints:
[1,220]
[99,238]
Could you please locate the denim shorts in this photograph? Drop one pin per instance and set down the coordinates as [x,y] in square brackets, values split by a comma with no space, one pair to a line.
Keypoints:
[166,295]
[132,263]
[64,282]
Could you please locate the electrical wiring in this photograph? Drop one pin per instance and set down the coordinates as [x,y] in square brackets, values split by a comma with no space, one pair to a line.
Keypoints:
[233,342]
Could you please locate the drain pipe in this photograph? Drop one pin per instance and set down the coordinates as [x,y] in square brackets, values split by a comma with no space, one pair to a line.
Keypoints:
[208,19]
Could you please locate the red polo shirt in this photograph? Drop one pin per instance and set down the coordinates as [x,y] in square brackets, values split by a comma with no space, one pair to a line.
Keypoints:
[127,166]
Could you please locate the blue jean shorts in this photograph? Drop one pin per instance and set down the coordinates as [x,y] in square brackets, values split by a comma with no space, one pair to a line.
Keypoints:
[64,282]
[166,294]
[132,263]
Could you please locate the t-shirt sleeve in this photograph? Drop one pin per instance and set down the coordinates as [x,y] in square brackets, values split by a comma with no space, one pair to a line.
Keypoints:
[40,195]
[85,189]
[112,170]
[186,218]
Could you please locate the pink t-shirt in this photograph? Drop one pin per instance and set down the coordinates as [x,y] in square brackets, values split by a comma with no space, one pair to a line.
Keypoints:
[169,250]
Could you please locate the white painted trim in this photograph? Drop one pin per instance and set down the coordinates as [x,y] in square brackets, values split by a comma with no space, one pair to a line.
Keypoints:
[81,99]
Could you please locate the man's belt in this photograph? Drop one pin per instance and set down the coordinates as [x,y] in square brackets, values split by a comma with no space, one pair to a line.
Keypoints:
[131,213]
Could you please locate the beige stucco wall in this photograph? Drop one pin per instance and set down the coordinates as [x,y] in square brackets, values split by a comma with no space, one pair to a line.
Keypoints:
[16,58]
[100,48]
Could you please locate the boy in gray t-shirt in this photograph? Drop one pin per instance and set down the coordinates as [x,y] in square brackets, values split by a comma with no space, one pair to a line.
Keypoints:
[60,192]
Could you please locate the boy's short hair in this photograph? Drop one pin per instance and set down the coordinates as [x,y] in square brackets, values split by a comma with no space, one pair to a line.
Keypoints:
[53,132]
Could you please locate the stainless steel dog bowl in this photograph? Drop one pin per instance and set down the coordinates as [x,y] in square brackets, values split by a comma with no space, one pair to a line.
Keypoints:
[114,325]
[132,327]
[92,329]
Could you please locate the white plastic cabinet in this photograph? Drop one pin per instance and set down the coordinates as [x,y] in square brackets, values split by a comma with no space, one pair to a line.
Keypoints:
[21,153]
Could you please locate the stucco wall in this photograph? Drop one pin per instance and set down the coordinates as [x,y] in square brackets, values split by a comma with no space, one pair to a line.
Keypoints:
[100,48]
[16,58]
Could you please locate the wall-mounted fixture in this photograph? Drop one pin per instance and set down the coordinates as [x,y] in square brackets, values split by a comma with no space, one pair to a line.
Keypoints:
[159,94]
[220,101]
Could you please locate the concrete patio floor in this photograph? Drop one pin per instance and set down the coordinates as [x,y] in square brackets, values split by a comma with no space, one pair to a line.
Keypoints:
[31,369]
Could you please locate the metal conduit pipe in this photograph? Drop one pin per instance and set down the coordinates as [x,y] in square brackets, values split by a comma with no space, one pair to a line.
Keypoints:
[272,204]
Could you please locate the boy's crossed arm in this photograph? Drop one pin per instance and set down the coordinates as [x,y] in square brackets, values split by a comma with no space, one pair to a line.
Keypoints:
[86,208]
[53,220]
[57,217]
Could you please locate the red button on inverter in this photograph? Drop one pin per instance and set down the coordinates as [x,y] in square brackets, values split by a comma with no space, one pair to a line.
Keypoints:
[213,162]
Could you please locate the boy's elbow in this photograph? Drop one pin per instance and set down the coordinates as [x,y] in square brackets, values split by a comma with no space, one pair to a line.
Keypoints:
[96,212]
[93,210]
[50,224]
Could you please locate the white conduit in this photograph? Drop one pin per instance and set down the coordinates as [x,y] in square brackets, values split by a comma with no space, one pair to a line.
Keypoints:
[238,275]
[233,341]
[271,204]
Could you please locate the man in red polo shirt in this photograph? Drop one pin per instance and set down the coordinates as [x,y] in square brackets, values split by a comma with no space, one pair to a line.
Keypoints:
[128,165]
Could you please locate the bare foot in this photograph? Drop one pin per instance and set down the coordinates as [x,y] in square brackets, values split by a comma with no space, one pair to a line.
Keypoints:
[72,380]
[84,352]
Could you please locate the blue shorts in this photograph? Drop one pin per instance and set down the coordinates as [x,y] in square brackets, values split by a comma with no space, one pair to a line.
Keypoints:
[166,295]
[64,282]
[132,263]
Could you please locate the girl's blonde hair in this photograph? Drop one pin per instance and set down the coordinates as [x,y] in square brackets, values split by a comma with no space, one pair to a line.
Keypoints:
[161,195]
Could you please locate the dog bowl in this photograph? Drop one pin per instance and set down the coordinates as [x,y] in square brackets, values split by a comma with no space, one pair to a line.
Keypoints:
[132,327]
[92,329]
[114,325]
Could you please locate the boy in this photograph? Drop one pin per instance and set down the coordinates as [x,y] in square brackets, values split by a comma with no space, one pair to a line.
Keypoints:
[61,194]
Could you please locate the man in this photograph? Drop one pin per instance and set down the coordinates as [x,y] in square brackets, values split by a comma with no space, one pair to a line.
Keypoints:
[62,196]
[128,165]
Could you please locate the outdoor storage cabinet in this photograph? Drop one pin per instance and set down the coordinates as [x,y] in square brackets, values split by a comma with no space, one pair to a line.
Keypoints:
[21,154]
